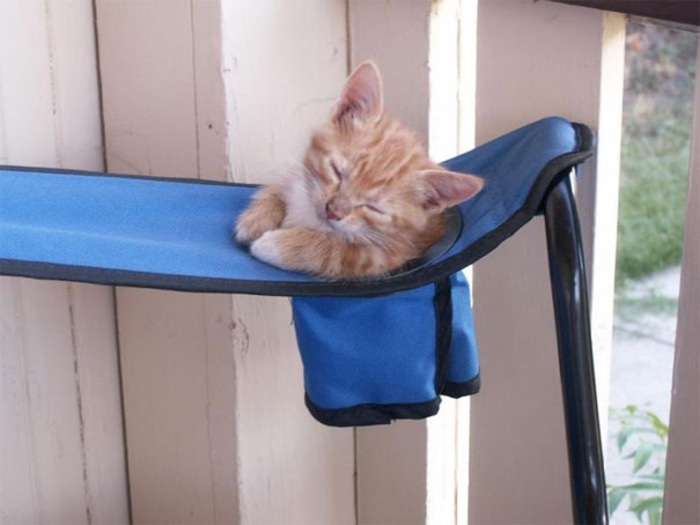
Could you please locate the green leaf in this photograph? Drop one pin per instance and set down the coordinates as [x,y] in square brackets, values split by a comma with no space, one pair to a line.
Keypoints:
[659,447]
[641,457]
[623,435]
[659,426]
[645,485]
[615,497]
[629,430]
[652,504]
[655,477]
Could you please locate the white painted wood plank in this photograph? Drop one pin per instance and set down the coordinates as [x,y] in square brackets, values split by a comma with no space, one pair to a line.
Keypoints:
[44,371]
[517,433]
[217,428]
[451,131]
[62,446]
[535,60]
[392,465]
[209,94]
[18,490]
[98,387]
[76,119]
[468,24]
[78,134]
[295,470]
[217,310]
[681,501]
[395,34]
[25,84]
[284,63]
[392,461]
[147,86]
[177,366]
[598,200]
[416,472]
[165,371]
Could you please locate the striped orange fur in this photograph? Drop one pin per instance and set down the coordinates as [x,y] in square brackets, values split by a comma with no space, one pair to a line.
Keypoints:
[367,199]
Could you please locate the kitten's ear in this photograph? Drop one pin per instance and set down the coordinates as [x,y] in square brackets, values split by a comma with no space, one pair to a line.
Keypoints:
[362,98]
[443,189]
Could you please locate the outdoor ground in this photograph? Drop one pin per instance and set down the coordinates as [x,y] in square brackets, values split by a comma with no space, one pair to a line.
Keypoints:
[642,361]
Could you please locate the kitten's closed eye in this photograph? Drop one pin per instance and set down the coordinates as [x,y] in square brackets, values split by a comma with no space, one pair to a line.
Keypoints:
[337,171]
[373,208]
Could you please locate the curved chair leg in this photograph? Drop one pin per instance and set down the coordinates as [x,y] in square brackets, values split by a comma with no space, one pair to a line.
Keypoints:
[570,294]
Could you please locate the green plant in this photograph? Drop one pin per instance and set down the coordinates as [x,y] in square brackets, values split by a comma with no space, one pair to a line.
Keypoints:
[659,80]
[643,438]
[652,199]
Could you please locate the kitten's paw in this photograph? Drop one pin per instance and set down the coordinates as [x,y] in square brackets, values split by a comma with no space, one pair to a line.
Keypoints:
[266,248]
[246,230]
[255,221]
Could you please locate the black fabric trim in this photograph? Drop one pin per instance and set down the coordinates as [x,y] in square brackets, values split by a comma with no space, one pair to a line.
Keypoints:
[553,172]
[157,281]
[457,390]
[442,302]
[371,413]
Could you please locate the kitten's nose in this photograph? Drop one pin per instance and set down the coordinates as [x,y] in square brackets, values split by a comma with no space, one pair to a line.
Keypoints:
[334,211]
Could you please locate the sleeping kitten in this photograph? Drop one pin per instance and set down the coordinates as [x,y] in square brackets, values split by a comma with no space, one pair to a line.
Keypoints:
[367,200]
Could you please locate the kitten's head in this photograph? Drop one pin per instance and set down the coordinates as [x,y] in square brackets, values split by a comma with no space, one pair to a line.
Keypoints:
[368,177]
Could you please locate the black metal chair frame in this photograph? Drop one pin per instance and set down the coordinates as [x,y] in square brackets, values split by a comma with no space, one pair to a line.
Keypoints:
[570,296]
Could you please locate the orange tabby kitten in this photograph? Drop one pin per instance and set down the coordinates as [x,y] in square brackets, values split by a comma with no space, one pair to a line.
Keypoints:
[367,200]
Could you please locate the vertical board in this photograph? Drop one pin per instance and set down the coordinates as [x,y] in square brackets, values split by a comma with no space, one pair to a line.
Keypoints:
[416,472]
[392,460]
[395,34]
[452,52]
[681,501]
[61,440]
[163,114]
[534,60]
[216,425]
[178,401]
[598,203]
[284,66]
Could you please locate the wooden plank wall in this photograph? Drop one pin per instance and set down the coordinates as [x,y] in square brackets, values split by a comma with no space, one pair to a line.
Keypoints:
[62,449]
[215,424]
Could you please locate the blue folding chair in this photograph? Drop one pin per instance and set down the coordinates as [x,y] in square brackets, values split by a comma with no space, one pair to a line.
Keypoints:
[373,350]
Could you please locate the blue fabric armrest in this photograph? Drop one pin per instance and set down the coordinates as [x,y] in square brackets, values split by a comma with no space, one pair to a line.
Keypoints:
[176,234]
